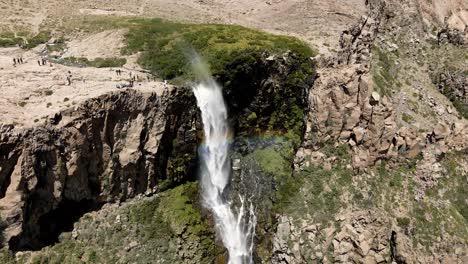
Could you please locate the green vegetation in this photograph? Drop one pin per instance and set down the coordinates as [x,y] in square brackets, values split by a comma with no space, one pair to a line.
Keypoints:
[98,62]
[403,221]
[388,189]
[6,42]
[457,102]
[407,118]
[384,72]
[9,39]
[323,190]
[455,182]
[316,190]
[449,59]
[167,46]
[181,210]
[58,45]
[168,229]
[41,38]
[234,55]
[392,189]
[340,151]
[6,256]
[276,161]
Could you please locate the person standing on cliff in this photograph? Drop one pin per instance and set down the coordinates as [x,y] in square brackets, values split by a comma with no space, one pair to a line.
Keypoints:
[69,78]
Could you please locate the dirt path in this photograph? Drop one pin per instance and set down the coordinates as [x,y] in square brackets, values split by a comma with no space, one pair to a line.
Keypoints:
[30,93]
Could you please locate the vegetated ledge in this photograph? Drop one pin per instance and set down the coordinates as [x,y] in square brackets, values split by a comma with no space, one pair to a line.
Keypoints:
[265,77]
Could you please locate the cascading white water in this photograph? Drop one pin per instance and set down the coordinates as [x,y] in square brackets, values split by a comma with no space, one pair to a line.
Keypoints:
[236,235]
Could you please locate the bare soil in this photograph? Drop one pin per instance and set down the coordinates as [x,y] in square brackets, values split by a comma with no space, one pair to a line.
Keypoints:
[30,93]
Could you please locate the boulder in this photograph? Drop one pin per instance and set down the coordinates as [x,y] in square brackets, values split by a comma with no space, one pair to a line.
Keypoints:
[441,131]
[374,98]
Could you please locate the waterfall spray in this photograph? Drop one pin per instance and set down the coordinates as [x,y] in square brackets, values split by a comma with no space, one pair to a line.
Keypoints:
[236,235]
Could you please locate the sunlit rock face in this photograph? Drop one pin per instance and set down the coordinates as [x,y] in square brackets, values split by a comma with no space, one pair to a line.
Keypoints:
[109,149]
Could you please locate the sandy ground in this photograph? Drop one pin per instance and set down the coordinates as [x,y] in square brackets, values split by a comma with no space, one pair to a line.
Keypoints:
[29,93]
[319,22]
[316,21]
[86,46]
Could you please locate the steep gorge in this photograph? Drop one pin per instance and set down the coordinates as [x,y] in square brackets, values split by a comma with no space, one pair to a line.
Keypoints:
[362,162]
[119,145]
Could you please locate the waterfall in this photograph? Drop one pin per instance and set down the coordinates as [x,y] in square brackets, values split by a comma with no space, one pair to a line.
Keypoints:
[236,234]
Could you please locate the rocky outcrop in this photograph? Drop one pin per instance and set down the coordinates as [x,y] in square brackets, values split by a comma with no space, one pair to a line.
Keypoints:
[359,237]
[343,104]
[451,35]
[108,149]
[348,107]
[350,104]
[453,83]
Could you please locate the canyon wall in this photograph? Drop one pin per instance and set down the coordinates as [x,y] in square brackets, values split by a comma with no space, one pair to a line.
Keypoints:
[108,149]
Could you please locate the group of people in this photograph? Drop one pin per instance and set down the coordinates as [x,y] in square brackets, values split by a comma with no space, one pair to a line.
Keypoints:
[134,78]
[18,61]
[42,62]
[131,80]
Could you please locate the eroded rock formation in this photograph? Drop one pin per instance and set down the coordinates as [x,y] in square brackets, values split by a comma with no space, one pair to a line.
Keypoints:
[345,104]
[108,149]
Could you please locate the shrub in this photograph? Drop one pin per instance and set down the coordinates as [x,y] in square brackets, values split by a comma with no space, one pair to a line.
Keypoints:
[384,72]
[7,42]
[407,118]
[167,46]
[41,38]
[98,62]
[403,221]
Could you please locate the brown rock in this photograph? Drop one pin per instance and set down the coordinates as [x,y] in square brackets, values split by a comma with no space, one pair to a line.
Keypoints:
[441,131]
[375,98]
[107,150]
[359,133]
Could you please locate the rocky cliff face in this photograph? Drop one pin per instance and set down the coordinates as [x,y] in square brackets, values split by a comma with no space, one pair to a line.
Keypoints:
[373,156]
[106,150]
[357,97]
[379,176]
[119,145]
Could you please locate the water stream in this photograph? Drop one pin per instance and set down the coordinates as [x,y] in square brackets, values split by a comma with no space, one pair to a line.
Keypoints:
[232,226]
